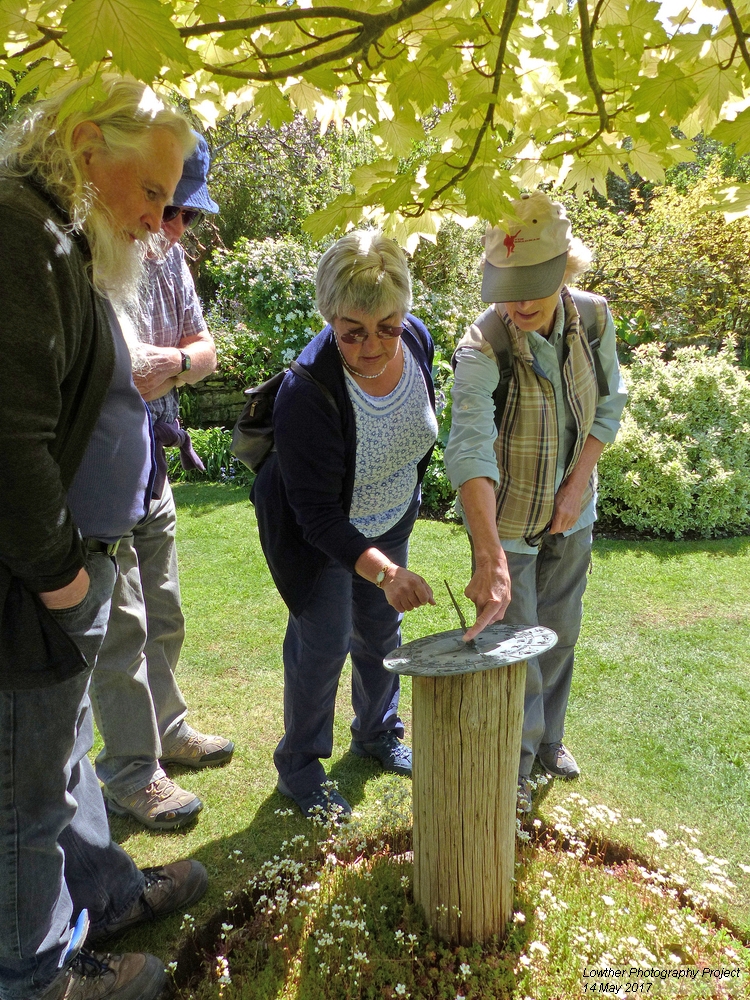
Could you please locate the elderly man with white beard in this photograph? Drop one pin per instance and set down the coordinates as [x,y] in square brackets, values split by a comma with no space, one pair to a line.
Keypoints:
[82,193]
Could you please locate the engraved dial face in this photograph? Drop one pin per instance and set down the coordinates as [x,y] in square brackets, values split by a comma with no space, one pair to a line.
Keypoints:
[446,653]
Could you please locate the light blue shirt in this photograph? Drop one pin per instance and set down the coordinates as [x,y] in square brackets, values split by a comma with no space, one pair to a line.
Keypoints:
[470,452]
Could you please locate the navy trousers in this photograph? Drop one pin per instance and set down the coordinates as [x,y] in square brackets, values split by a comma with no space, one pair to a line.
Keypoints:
[345,614]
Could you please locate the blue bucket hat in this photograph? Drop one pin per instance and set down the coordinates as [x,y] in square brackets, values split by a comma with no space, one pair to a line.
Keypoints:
[192,192]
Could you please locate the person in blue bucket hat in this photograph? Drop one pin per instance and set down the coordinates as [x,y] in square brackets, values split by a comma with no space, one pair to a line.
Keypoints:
[138,705]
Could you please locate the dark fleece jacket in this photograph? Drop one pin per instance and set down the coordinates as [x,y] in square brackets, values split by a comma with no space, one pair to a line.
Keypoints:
[56,363]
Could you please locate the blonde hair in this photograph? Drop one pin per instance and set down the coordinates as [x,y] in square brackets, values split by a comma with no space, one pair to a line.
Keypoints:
[40,142]
[364,271]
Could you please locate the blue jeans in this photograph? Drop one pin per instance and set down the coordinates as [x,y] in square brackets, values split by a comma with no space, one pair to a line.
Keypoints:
[345,614]
[139,708]
[547,589]
[56,853]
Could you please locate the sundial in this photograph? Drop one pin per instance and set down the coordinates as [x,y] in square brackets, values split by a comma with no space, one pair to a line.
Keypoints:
[446,653]
[466,730]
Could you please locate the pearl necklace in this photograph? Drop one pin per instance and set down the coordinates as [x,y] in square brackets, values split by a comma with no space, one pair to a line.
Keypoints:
[356,373]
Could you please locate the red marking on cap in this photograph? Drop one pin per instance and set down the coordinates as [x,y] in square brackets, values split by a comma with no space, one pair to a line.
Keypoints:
[510,243]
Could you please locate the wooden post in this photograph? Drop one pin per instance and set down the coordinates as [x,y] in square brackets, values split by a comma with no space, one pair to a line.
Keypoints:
[467,738]
[467,721]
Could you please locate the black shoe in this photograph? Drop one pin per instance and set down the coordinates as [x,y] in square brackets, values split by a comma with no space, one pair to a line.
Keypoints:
[322,802]
[173,887]
[394,755]
[89,976]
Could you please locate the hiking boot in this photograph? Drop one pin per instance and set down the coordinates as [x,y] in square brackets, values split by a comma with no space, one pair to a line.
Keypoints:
[523,796]
[557,760]
[321,803]
[172,887]
[394,755]
[195,749]
[162,805]
[91,976]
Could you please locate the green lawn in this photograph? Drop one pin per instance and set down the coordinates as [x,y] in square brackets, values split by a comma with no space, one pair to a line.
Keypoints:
[659,717]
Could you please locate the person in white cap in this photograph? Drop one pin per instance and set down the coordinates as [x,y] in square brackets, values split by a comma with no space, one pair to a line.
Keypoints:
[537,395]
[138,705]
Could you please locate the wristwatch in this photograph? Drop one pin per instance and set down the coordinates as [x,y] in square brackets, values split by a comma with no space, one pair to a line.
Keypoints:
[186,361]
[380,578]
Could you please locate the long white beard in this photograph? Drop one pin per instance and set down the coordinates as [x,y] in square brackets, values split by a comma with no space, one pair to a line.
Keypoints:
[118,272]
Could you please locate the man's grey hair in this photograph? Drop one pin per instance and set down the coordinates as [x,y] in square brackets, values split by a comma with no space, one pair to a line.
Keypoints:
[40,143]
[364,271]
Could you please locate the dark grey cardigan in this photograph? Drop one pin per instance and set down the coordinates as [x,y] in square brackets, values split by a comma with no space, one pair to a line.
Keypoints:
[56,363]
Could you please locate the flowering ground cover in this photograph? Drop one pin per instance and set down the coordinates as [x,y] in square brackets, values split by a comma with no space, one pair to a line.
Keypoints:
[658,824]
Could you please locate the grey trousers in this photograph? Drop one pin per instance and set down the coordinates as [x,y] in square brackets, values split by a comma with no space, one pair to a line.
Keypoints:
[547,589]
[137,703]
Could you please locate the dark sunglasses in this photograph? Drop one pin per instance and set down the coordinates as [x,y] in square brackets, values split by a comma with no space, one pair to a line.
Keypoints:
[190,216]
[383,332]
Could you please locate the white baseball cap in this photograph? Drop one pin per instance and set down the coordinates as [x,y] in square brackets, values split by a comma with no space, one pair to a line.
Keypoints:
[527,260]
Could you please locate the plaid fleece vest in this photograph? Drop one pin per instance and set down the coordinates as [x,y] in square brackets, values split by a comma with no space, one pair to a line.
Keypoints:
[527,442]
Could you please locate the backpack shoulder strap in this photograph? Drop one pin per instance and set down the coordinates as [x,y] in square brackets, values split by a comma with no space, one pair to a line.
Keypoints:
[304,373]
[495,332]
[590,307]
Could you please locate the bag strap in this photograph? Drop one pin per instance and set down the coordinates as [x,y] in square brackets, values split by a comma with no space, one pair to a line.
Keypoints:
[495,332]
[304,373]
[585,303]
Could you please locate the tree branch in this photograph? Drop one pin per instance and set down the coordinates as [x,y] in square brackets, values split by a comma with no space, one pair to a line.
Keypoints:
[375,23]
[372,28]
[310,45]
[509,16]
[48,35]
[587,47]
[739,31]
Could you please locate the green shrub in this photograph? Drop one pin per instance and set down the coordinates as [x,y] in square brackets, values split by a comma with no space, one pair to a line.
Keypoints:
[264,311]
[670,270]
[681,462]
[213,446]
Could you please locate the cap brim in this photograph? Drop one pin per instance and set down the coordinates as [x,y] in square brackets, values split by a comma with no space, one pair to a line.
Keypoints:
[520,284]
[194,195]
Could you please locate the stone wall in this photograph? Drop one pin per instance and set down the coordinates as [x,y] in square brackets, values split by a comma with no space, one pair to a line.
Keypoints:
[214,402]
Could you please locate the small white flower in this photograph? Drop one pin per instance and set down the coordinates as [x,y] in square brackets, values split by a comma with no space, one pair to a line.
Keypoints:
[464,969]
[608,901]
[541,948]
[401,990]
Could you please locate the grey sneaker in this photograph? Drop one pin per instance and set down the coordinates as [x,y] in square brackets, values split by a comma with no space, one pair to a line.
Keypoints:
[195,749]
[172,887]
[89,976]
[557,760]
[394,755]
[523,796]
[162,805]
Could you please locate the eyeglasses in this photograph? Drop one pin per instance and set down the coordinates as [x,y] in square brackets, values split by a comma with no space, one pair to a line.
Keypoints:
[190,216]
[360,336]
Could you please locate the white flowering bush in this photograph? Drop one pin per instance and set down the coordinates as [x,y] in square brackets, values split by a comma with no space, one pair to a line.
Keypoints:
[446,313]
[681,462]
[263,312]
